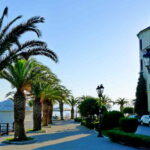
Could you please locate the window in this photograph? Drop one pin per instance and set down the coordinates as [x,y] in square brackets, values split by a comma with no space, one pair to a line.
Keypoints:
[140,44]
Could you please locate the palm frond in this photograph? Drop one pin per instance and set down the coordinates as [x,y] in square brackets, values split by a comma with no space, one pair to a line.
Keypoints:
[5,13]
[19,73]
[32,43]
[10,47]
[26,50]
[12,93]
[37,51]
[8,26]
[12,36]
[5,75]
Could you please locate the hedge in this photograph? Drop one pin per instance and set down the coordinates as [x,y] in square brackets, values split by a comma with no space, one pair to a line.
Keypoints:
[128,124]
[78,119]
[88,122]
[135,140]
[111,120]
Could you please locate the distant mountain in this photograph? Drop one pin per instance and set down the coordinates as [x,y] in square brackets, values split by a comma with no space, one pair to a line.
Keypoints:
[8,105]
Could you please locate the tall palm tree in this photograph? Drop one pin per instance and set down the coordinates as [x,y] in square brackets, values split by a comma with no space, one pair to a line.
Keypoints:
[20,75]
[121,102]
[72,102]
[36,90]
[11,48]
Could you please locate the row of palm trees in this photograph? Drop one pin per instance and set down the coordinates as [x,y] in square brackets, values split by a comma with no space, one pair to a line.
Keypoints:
[30,78]
[106,101]
[35,81]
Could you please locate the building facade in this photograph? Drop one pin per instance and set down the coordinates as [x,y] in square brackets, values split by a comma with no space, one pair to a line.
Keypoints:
[144,44]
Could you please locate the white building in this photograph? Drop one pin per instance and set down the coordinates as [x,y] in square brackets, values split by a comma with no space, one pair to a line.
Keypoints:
[7,114]
[144,44]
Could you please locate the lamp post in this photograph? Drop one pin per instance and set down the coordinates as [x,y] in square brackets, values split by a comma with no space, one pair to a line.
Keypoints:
[100,90]
[147,59]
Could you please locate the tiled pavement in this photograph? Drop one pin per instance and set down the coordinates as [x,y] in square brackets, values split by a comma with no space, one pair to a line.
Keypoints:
[67,135]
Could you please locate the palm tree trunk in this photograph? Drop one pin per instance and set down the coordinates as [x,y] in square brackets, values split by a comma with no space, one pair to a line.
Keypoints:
[61,107]
[19,115]
[121,108]
[46,112]
[37,108]
[51,113]
[72,113]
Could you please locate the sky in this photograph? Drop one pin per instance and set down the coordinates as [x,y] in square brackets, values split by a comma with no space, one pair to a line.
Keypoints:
[95,40]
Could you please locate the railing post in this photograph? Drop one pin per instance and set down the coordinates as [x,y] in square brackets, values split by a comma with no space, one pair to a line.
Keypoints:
[7,128]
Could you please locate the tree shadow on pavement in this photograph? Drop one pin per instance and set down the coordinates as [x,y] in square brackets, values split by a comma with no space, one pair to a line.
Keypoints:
[63,122]
[40,138]
[79,138]
[61,134]
[89,142]
[52,136]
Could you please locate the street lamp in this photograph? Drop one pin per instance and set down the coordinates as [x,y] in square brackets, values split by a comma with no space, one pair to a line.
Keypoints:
[147,59]
[100,90]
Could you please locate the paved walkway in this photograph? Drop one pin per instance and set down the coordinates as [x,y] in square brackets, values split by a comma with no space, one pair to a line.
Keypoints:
[143,129]
[67,135]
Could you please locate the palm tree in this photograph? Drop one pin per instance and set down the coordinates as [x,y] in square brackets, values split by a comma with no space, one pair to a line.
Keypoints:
[20,74]
[64,93]
[36,90]
[106,101]
[72,102]
[50,96]
[11,48]
[121,102]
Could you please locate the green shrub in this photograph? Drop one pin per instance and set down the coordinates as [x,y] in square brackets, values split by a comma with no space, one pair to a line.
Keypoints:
[128,124]
[131,139]
[111,120]
[83,122]
[103,109]
[78,119]
[128,110]
[89,107]
[88,122]
[96,124]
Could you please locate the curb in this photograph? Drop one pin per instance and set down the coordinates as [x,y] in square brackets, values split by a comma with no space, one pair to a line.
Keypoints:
[19,142]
